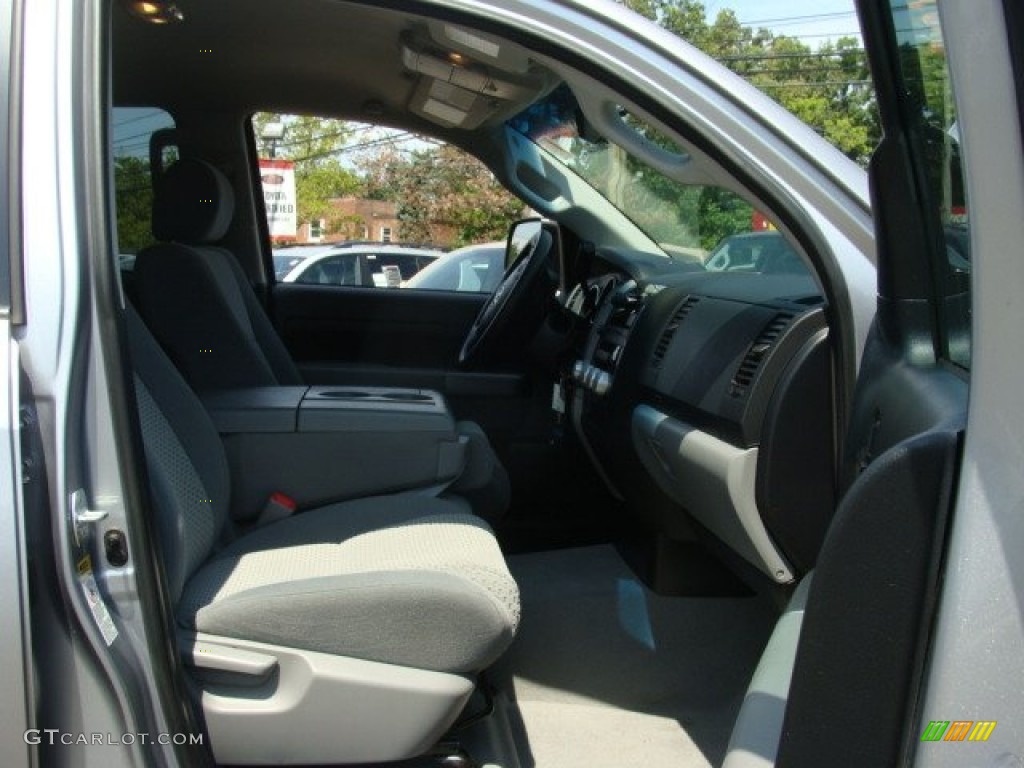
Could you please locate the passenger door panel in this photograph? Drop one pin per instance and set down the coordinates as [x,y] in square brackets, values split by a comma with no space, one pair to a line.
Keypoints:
[412,338]
[334,332]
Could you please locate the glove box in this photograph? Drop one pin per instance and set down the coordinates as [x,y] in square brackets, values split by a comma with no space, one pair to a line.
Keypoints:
[330,443]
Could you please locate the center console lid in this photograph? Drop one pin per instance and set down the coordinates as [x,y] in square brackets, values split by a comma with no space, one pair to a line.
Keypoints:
[383,409]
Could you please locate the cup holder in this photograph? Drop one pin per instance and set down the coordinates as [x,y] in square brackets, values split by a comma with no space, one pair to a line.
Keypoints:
[393,396]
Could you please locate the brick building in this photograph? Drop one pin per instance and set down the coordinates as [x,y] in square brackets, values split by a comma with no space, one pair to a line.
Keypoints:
[353,218]
[356,218]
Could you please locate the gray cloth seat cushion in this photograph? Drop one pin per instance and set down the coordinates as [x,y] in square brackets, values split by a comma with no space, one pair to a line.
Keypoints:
[406,579]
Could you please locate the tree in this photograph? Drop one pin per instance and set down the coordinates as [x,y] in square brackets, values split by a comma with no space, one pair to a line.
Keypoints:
[828,88]
[134,196]
[444,195]
[317,185]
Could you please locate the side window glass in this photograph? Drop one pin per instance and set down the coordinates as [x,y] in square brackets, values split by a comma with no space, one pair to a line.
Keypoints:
[932,111]
[133,129]
[418,213]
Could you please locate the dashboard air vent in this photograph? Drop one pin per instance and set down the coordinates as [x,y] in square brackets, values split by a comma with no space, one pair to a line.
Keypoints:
[665,340]
[757,352]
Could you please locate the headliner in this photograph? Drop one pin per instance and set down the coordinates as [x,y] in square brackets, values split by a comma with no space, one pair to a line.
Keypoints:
[322,57]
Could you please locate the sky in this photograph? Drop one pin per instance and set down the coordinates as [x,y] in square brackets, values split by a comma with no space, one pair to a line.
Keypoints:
[133,126]
[813,21]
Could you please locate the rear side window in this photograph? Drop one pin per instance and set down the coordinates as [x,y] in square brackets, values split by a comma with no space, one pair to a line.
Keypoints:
[134,129]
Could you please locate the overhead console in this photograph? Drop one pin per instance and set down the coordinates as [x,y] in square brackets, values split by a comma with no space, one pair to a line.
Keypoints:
[323,444]
[465,78]
[723,397]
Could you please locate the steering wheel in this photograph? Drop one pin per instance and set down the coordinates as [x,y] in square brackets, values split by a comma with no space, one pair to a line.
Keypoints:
[502,305]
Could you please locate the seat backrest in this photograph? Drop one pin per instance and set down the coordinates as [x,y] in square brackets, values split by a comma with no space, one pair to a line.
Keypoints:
[194,296]
[185,461]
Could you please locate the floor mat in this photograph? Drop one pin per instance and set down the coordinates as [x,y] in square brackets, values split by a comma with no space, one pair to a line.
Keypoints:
[606,673]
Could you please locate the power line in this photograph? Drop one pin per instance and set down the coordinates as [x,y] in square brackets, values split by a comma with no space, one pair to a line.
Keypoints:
[131,144]
[787,73]
[404,136]
[785,20]
[822,34]
[144,134]
[812,84]
[772,56]
[155,112]
[325,136]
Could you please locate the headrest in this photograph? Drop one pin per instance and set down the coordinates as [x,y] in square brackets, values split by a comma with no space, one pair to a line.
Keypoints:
[192,204]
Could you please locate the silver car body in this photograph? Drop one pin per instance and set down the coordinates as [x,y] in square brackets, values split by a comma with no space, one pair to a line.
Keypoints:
[57,146]
[473,268]
[300,271]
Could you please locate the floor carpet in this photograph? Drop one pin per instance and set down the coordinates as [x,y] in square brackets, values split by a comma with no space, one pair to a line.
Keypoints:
[606,673]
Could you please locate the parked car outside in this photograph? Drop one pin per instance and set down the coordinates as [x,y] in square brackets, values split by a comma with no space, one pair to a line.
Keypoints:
[288,257]
[472,268]
[767,252]
[358,265]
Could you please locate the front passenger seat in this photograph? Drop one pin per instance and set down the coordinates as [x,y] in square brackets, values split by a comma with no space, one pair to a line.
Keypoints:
[348,633]
[198,303]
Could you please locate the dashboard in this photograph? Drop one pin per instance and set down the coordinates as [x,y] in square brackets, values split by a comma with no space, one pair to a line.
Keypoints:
[717,388]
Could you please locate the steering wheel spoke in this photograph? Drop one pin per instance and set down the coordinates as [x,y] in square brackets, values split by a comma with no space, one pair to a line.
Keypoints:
[520,280]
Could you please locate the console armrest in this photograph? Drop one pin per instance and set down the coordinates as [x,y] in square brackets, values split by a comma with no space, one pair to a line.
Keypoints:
[255,409]
[324,444]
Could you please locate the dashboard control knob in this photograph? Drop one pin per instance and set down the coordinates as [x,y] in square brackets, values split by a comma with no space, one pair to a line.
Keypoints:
[591,377]
[627,300]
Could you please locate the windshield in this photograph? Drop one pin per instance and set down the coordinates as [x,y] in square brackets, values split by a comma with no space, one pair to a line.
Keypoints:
[687,221]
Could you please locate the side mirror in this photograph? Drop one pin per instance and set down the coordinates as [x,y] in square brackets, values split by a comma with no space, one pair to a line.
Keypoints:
[520,235]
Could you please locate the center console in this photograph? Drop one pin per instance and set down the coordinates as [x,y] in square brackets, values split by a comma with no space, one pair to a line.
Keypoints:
[322,444]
